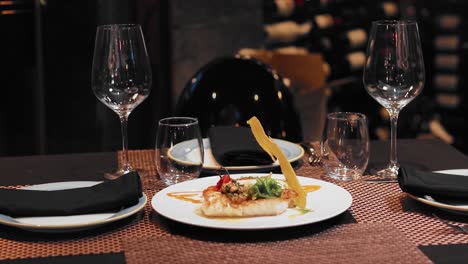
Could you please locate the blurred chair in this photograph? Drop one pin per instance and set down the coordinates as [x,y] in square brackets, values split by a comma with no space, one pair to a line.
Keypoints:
[230,90]
[304,73]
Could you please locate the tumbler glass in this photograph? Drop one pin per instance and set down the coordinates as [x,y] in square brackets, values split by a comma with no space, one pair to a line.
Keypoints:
[345,145]
[179,149]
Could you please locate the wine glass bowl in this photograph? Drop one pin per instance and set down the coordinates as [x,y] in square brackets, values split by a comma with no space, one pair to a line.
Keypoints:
[121,75]
[394,74]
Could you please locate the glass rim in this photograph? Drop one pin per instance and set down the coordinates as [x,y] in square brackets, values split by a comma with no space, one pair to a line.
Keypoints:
[394,22]
[127,25]
[345,115]
[168,121]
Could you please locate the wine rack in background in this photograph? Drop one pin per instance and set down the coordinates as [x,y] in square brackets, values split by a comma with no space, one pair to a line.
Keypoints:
[441,28]
[339,30]
[445,24]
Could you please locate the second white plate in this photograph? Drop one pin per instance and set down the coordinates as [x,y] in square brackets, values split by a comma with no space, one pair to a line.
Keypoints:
[292,151]
[69,223]
[452,207]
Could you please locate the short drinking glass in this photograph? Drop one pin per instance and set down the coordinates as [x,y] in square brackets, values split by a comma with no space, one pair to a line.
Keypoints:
[179,149]
[345,145]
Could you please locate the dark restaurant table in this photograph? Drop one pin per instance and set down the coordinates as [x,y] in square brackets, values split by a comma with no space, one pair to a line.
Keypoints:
[99,246]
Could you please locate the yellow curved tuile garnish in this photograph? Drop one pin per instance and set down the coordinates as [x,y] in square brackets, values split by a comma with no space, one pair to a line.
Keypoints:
[274,151]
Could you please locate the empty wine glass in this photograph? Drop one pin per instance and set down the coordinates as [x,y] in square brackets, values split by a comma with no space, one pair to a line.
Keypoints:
[394,74]
[121,75]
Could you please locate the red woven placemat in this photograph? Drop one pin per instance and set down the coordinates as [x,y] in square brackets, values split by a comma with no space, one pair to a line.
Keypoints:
[385,202]
[372,204]
[353,243]
[16,244]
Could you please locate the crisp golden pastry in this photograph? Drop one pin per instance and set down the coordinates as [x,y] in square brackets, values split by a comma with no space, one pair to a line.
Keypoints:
[275,152]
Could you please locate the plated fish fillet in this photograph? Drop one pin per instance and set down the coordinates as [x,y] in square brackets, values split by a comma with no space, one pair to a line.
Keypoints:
[247,197]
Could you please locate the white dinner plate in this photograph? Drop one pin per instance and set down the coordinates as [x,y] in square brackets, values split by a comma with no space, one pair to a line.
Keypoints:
[72,222]
[328,201]
[451,207]
[292,151]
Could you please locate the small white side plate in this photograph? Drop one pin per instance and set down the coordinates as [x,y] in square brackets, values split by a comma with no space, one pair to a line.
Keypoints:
[292,151]
[71,223]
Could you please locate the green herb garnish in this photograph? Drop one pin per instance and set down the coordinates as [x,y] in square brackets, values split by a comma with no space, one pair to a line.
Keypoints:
[265,188]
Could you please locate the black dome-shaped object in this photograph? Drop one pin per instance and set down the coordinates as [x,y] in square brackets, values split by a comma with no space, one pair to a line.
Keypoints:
[229,91]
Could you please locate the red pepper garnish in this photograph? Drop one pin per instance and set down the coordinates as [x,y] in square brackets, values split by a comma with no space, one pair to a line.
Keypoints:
[224,179]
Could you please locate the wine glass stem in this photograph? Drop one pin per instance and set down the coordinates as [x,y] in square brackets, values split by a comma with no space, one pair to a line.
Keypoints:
[123,126]
[393,139]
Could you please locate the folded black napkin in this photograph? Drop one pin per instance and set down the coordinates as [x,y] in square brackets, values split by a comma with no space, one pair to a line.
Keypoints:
[236,146]
[103,197]
[437,185]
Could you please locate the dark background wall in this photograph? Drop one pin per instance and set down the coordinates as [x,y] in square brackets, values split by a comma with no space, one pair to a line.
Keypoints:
[45,75]
[49,106]
[47,46]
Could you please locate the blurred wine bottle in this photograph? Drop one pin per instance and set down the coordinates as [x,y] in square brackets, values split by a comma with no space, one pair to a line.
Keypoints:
[337,67]
[383,10]
[278,10]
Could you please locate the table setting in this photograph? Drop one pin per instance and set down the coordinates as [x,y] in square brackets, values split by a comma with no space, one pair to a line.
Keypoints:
[372,204]
[338,204]
[71,206]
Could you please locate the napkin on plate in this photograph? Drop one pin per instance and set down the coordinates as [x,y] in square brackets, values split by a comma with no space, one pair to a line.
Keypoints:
[103,197]
[236,146]
[440,185]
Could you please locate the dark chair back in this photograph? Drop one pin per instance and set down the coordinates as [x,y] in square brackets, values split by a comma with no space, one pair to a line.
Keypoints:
[229,91]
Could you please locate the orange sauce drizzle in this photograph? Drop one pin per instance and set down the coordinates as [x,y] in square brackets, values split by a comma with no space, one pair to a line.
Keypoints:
[310,188]
[193,197]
